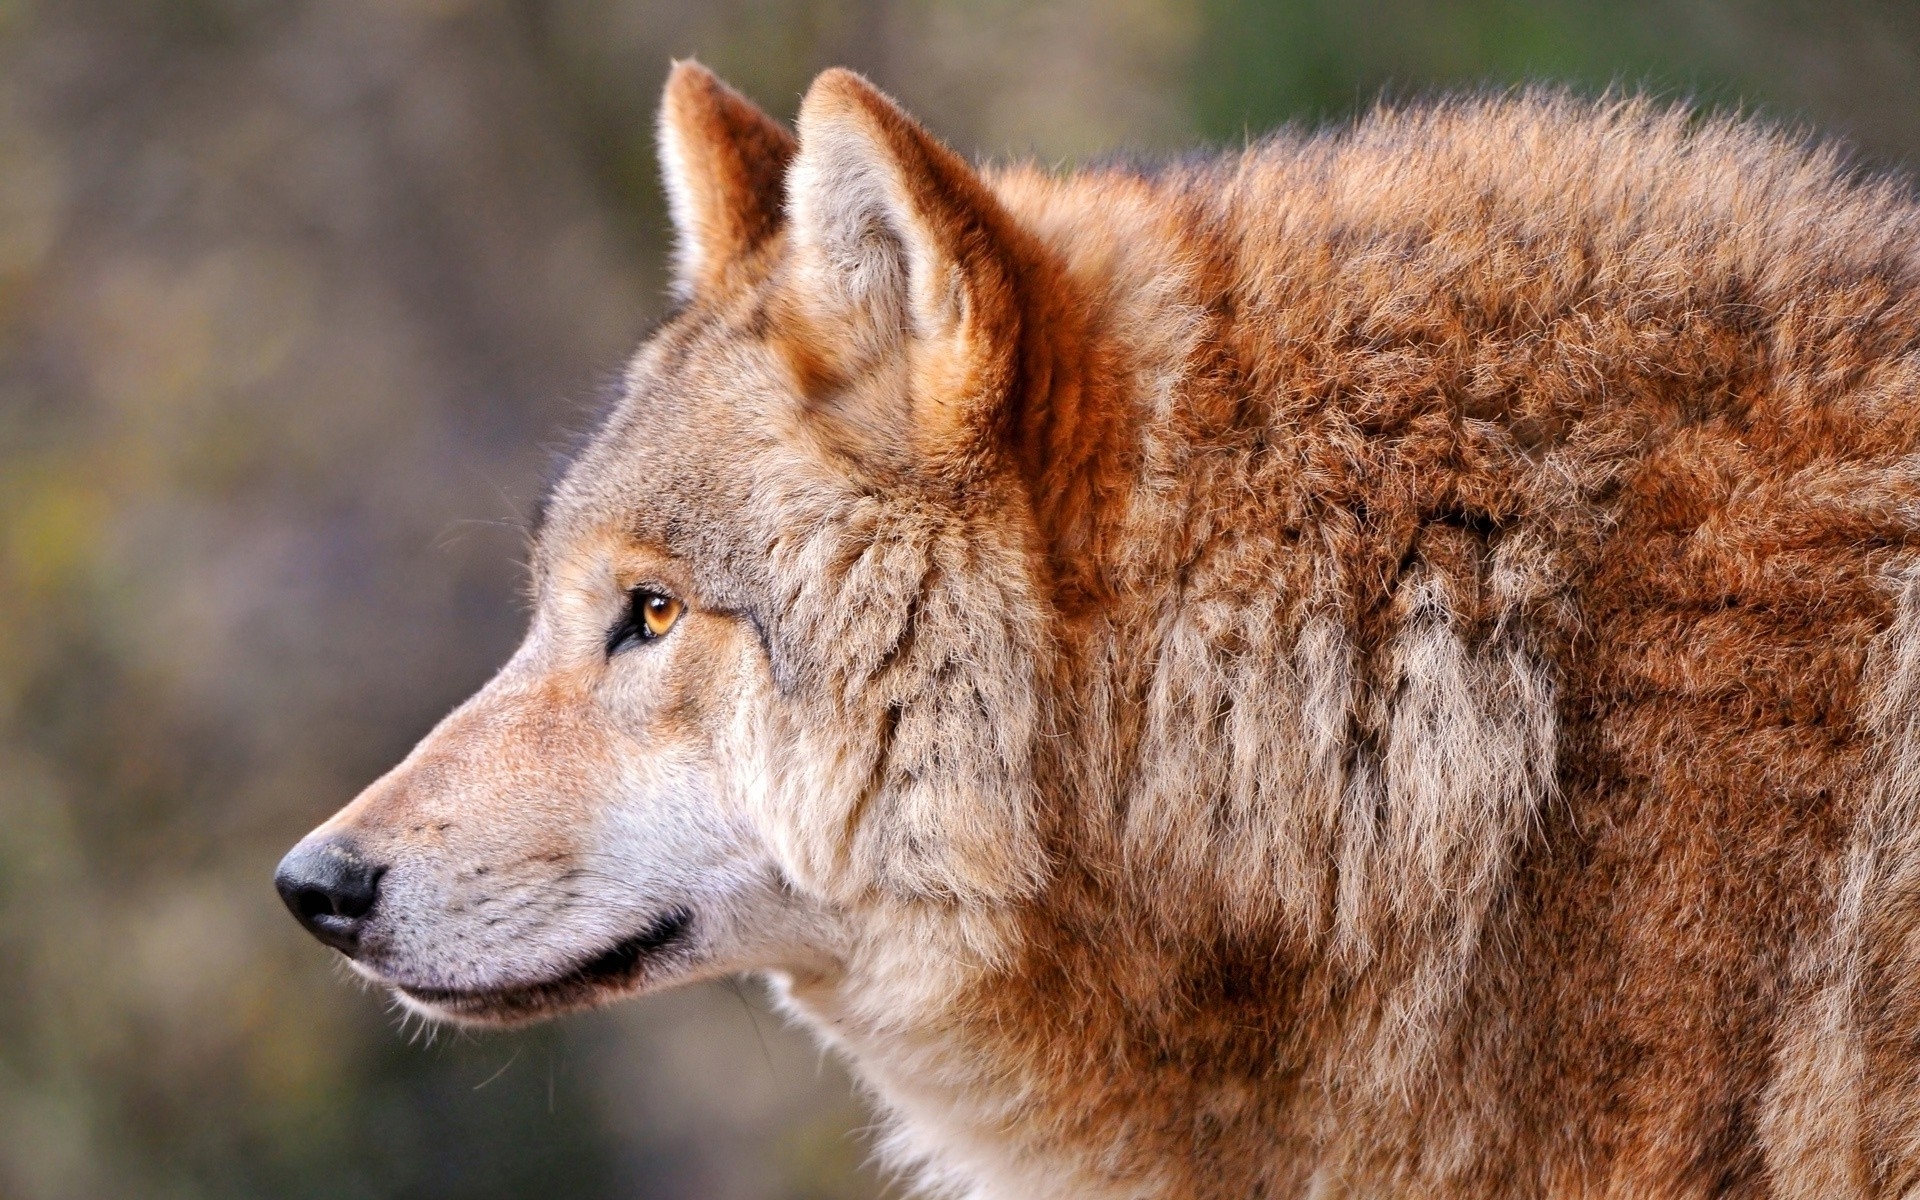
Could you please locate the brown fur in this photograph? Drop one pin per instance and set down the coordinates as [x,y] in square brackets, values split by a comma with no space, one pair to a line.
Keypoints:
[1385,663]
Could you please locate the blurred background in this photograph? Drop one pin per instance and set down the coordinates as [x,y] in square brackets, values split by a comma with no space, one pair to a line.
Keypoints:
[297,303]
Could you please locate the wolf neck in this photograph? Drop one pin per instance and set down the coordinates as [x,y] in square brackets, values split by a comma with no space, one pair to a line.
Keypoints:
[1114,328]
[1242,771]
[1116,339]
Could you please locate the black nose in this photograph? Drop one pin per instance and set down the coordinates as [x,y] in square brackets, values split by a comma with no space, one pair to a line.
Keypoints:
[330,888]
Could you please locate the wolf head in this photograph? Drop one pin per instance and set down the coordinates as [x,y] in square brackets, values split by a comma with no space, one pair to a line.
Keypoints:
[792,621]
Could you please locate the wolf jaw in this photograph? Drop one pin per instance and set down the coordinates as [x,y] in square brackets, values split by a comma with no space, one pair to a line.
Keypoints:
[621,970]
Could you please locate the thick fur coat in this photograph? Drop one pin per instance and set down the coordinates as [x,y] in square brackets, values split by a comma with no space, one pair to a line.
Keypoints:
[1386,663]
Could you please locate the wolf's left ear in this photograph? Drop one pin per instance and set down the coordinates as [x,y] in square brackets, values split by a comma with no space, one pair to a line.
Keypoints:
[901,258]
[724,162]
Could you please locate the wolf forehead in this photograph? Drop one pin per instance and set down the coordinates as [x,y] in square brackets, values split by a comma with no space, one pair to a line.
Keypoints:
[699,411]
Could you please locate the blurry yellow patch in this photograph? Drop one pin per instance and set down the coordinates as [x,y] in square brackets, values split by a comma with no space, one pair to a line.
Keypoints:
[52,524]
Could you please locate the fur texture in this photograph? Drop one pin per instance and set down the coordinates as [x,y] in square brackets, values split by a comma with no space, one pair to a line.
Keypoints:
[1387,663]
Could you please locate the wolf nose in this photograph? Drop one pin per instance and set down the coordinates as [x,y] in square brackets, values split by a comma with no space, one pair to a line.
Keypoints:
[330,888]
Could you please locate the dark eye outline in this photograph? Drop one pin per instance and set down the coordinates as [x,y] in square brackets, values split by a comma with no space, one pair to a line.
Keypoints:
[633,629]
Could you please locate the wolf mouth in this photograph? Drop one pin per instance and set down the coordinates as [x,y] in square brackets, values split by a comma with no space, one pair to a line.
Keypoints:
[614,968]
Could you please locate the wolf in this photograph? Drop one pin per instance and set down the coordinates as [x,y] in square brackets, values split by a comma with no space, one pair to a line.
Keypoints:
[1385,663]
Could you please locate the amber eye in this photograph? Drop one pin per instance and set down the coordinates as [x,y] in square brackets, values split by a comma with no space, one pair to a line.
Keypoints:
[657,612]
[650,615]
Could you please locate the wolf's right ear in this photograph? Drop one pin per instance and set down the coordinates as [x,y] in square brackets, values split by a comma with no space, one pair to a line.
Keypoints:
[900,264]
[724,163]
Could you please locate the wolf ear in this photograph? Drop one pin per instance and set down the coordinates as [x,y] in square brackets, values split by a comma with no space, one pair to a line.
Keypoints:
[723,161]
[900,259]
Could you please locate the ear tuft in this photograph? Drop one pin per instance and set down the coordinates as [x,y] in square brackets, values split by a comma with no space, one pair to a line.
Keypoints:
[724,162]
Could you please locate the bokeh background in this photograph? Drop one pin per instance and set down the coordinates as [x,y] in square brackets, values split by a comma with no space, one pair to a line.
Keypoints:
[298,301]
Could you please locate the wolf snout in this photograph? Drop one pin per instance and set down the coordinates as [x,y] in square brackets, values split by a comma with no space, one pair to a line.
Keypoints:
[331,888]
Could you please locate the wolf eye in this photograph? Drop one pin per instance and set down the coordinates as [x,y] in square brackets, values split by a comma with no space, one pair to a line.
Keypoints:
[657,613]
[650,615]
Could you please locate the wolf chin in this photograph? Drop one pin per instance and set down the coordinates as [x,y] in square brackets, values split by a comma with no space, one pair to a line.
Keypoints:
[1382,664]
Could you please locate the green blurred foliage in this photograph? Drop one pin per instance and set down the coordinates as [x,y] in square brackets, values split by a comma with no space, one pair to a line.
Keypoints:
[297,302]
[1847,68]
